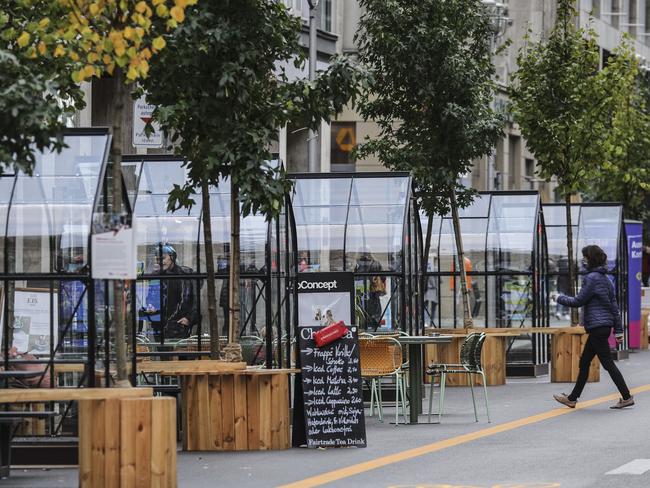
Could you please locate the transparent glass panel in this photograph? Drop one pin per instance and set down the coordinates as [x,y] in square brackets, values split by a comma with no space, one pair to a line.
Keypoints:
[514,300]
[511,232]
[432,262]
[556,214]
[379,191]
[600,225]
[374,238]
[320,210]
[50,216]
[6,184]
[474,234]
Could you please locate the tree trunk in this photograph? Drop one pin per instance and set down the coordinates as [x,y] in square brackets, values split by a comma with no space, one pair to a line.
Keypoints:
[571,261]
[118,288]
[209,268]
[233,351]
[425,262]
[467,312]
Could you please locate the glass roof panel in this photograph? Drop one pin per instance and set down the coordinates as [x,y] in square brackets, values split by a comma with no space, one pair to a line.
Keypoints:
[511,232]
[321,192]
[556,215]
[56,202]
[600,225]
[379,191]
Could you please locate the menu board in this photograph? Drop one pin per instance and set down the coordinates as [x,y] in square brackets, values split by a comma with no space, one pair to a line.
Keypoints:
[332,390]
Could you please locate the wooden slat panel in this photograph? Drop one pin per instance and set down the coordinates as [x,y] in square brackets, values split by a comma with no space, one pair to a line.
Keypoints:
[85,439]
[283,412]
[98,442]
[143,442]
[163,442]
[185,423]
[266,436]
[216,420]
[240,413]
[228,412]
[128,429]
[253,404]
[275,412]
[21,395]
[202,418]
[112,416]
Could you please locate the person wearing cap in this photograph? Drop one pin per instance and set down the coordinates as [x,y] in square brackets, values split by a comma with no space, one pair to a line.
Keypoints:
[179,306]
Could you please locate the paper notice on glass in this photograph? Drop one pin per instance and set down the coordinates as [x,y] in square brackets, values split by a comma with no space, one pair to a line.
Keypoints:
[114,255]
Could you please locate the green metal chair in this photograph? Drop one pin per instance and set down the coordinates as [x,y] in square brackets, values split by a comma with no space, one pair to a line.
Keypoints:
[470,364]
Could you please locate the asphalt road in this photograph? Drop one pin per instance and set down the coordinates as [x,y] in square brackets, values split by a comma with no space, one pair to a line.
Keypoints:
[532,442]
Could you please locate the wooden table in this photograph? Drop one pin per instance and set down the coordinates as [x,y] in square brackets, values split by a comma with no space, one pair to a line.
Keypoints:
[567,344]
[232,409]
[416,368]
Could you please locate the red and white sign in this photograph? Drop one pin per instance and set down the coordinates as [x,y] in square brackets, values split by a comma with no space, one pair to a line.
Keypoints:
[141,116]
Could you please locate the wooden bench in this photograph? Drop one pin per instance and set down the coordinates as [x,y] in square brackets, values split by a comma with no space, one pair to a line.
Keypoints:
[566,346]
[127,437]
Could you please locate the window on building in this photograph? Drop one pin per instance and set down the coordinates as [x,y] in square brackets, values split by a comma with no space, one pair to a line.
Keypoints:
[529,169]
[595,8]
[616,9]
[326,15]
[343,141]
[295,6]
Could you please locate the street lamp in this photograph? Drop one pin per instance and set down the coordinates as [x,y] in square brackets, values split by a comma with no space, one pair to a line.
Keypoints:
[313,53]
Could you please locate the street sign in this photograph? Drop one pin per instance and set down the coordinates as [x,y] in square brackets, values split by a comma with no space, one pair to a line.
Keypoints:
[141,117]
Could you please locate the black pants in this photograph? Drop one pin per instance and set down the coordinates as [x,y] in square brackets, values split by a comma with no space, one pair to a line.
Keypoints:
[598,344]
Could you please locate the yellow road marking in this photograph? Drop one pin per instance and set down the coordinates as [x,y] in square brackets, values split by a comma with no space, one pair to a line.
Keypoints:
[355,469]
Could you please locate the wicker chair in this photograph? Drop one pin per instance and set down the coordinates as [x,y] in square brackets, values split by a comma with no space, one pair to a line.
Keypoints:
[382,357]
[470,364]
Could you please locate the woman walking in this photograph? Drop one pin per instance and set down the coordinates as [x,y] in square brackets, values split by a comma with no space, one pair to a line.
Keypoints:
[601,314]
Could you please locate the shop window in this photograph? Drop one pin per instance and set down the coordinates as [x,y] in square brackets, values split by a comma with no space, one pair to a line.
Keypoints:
[343,142]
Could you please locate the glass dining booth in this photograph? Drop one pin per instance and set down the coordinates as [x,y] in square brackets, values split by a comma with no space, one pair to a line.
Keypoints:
[504,243]
[170,300]
[592,223]
[363,223]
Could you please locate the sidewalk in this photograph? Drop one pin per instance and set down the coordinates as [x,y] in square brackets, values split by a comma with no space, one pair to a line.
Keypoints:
[521,398]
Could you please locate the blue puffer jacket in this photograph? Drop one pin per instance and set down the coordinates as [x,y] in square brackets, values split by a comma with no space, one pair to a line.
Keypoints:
[598,298]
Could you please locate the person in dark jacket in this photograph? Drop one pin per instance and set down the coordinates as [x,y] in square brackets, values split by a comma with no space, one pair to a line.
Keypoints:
[179,297]
[601,314]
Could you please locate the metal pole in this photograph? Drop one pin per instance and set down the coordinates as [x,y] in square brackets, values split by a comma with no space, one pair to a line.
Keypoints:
[314,166]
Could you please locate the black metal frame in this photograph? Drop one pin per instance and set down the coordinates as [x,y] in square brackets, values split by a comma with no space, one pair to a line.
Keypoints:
[537,276]
[264,284]
[621,270]
[404,295]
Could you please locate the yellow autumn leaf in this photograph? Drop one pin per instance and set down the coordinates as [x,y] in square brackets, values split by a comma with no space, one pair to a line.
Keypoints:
[44,22]
[23,39]
[107,59]
[158,43]
[89,70]
[59,51]
[181,3]
[178,14]
[94,9]
[141,7]
[162,11]
[132,73]
[120,49]
[144,68]
[77,76]
[128,32]
[92,57]
[42,48]
[110,68]
[155,3]
[74,56]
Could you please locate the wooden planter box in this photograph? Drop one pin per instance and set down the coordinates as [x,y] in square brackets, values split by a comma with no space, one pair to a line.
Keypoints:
[236,411]
[127,443]
[566,349]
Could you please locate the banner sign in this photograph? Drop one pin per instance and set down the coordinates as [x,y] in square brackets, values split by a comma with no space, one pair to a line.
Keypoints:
[634,231]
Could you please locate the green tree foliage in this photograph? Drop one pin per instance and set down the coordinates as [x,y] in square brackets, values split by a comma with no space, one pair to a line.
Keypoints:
[431,95]
[562,103]
[625,173]
[222,93]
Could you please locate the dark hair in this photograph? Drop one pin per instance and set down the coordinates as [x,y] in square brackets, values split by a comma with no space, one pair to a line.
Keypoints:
[595,256]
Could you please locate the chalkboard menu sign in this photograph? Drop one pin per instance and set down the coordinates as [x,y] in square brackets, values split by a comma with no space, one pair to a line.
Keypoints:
[332,390]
